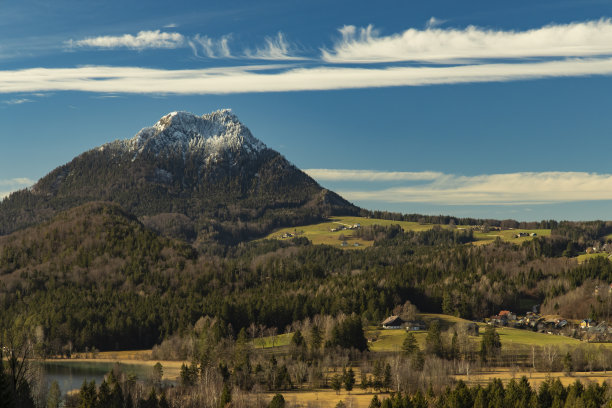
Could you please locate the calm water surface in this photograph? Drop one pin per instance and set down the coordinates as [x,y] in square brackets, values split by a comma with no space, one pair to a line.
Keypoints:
[70,374]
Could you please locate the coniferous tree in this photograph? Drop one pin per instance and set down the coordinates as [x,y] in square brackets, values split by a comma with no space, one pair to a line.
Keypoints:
[375,402]
[226,396]
[567,364]
[336,383]
[349,379]
[490,345]
[434,339]
[316,339]
[410,344]
[54,398]
[387,377]
[278,401]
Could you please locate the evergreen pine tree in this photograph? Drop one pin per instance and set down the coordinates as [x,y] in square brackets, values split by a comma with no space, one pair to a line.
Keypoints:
[410,344]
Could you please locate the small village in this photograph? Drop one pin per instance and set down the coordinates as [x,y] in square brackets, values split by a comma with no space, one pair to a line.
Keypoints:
[586,329]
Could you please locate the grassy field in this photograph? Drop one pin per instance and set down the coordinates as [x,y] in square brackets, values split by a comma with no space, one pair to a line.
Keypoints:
[584,257]
[327,398]
[508,235]
[281,340]
[509,336]
[534,377]
[391,340]
[321,233]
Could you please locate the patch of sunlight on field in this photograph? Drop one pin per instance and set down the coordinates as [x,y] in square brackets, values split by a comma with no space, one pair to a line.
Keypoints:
[124,355]
[482,238]
[535,378]
[327,398]
[279,340]
[528,337]
[584,257]
[321,233]
[391,340]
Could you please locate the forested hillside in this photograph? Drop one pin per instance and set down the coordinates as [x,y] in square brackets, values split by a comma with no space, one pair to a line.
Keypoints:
[96,276]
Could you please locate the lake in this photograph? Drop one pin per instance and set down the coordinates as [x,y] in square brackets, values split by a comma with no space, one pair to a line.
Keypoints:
[71,374]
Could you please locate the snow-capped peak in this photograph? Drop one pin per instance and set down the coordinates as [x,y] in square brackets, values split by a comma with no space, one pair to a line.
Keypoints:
[185,133]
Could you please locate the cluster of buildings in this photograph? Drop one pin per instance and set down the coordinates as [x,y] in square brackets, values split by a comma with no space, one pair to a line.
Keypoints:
[531,320]
[586,329]
[599,248]
[525,234]
[397,323]
[344,227]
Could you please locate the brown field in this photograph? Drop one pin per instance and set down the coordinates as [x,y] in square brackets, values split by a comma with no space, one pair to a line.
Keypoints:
[327,398]
[534,377]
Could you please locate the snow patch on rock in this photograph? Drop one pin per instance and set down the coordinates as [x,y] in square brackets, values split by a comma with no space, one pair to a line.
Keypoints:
[187,134]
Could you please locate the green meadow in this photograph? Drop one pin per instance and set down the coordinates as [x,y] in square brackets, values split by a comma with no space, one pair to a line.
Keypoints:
[508,235]
[321,233]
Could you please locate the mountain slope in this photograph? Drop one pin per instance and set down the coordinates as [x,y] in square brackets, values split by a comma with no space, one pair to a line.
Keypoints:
[209,175]
[78,274]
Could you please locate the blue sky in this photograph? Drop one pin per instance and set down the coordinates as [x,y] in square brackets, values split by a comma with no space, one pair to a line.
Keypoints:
[477,109]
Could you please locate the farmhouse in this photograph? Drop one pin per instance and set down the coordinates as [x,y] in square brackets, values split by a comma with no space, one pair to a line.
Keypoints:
[586,323]
[393,322]
[508,314]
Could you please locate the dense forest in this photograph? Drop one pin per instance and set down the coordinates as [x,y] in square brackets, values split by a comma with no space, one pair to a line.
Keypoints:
[97,277]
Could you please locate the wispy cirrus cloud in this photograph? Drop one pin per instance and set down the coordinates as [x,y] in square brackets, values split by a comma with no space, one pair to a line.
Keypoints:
[370,175]
[276,48]
[211,47]
[434,22]
[140,41]
[366,45]
[7,186]
[17,101]
[122,80]
[488,189]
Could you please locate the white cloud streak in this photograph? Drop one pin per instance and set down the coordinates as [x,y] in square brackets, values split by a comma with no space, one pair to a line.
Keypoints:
[17,101]
[276,48]
[434,22]
[495,189]
[366,45]
[247,80]
[140,41]
[212,48]
[370,175]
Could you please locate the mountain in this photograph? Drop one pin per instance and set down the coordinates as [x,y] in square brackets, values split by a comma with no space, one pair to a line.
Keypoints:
[199,178]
